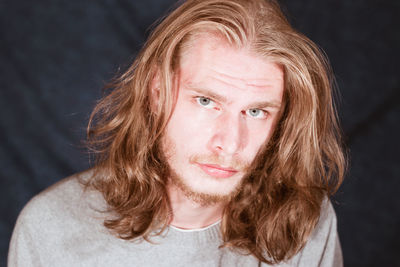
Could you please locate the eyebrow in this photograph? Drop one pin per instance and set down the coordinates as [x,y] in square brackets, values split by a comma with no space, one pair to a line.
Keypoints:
[259,105]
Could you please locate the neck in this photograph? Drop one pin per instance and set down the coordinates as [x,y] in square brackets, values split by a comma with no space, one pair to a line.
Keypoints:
[189,214]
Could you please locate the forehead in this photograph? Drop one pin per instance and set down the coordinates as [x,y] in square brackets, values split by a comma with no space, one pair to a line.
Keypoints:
[212,61]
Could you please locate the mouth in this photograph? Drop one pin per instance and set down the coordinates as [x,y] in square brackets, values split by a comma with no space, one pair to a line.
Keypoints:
[217,171]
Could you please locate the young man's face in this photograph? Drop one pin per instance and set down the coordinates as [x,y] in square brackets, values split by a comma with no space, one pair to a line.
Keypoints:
[227,107]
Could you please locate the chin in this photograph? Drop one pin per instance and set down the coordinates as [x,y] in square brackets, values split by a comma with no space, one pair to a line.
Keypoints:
[208,190]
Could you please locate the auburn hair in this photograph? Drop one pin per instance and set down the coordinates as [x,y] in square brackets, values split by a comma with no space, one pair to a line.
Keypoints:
[279,204]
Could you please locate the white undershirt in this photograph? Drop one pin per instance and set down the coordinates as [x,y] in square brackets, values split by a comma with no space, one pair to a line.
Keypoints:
[194,230]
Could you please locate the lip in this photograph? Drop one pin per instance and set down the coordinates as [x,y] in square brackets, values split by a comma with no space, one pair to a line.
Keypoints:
[217,171]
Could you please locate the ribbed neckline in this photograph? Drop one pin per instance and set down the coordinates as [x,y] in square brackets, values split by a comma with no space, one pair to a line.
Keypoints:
[199,237]
[194,230]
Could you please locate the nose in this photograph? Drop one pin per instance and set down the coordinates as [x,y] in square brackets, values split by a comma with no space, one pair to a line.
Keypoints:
[229,134]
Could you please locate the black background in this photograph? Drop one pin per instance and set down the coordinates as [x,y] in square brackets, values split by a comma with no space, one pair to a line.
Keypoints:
[56,55]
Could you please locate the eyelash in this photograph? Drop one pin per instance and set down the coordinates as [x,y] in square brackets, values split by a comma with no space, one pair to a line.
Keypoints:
[264,112]
[203,97]
[197,98]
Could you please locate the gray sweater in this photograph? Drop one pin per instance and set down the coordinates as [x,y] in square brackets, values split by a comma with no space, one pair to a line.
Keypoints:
[63,226]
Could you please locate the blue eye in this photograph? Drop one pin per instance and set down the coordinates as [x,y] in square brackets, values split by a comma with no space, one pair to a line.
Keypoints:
[205,102]
[256,113]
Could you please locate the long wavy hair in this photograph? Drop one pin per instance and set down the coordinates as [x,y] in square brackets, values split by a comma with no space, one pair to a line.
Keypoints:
[279,204]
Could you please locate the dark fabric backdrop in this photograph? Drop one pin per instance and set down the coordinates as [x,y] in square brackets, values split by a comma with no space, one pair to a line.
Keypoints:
[56,55]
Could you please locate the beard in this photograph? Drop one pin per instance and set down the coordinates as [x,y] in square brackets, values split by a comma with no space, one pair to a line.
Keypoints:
[203,198]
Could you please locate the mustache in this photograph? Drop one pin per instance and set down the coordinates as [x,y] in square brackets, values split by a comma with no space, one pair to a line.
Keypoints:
[235,163]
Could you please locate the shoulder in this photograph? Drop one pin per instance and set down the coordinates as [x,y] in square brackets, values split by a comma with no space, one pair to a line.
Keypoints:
[327,220]
[323,246]
[59,224]
[67,198]
[57,220]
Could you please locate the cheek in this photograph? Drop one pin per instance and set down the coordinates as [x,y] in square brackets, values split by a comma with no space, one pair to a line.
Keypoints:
[188,128]
[258,136]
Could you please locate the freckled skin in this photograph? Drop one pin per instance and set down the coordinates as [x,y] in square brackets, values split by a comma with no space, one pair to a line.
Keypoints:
[228,130]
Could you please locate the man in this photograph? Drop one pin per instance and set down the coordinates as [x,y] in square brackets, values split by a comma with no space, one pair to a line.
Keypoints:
[218,147]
